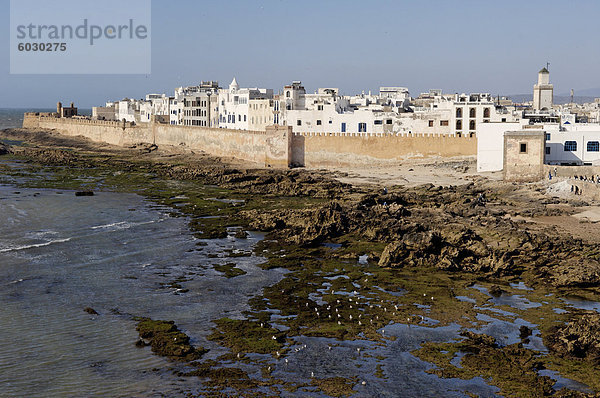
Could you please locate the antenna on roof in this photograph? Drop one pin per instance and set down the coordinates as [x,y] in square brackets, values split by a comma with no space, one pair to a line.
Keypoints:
[548,65]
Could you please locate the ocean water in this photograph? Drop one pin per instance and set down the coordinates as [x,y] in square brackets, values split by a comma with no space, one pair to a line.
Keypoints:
[115,253]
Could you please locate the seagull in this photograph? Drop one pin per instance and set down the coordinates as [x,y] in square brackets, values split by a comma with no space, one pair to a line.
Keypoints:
[274,338]
[329,316]
[358,349]
[382,331]
[317,314]
[286,360]
[312,374]
[277,352]
[339,323]
[364,383]
[329,347]
[432,297]
[269,369]
[238,355]
[350,316]
[359,323]
[261,324]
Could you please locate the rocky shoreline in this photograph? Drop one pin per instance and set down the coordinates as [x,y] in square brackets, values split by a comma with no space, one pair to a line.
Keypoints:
[431,243]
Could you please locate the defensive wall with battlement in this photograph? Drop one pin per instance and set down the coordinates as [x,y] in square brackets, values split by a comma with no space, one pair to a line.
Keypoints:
[275,147]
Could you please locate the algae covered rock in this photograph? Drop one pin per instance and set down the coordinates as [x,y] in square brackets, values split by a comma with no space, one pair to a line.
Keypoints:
[579,338]
[166,340]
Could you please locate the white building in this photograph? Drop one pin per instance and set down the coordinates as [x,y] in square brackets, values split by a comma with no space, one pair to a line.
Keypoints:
[196,105]
[245,108]
[327,111]
[128,110]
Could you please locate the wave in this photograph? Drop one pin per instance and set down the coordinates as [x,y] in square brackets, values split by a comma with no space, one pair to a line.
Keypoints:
[33,246]
[119,225]
[124,225]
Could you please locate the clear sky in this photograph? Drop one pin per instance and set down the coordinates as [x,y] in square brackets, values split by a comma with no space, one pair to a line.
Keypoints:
[458,46]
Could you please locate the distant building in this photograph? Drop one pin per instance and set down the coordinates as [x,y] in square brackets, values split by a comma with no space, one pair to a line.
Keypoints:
[543,92]
[128,110]
[197,105]
[107,112]
[66,111]
[245,108]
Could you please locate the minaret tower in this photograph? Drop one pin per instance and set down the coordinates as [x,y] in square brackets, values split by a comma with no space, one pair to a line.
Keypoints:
[543,92]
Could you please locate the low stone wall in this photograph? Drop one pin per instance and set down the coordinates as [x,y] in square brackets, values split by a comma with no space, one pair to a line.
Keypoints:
[334,149]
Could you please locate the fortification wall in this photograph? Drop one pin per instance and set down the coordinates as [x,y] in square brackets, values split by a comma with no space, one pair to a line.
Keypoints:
[270,148]
[334,149]
[275,147]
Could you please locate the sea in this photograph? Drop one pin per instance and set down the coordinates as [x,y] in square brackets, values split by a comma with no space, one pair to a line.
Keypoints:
[119,255]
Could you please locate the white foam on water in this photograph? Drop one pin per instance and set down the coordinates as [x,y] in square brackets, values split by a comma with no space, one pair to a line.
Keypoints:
[33,246]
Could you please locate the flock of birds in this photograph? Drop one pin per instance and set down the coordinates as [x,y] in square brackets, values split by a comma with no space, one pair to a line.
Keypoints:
[334,313]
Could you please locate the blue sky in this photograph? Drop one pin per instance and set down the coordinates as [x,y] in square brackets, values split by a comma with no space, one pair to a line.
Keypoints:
[458,46]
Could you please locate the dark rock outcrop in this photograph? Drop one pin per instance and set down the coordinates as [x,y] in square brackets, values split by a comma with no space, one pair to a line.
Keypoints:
[4,149]
[580,338]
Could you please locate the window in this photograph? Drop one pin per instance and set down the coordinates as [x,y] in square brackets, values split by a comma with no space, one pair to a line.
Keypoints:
[244,117]
[362,127]
[486,112]
[287,94]
[378,122]
[318,122]
[320,107]
[389,121]
[503,120]
[523,147]
[443,122]
[343,127]
[570,146]
[431,123]
[458,112]
[593,146]
[472,112]
[299,122]
[459,124]
[548,136]
[472,125]
[547,150]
